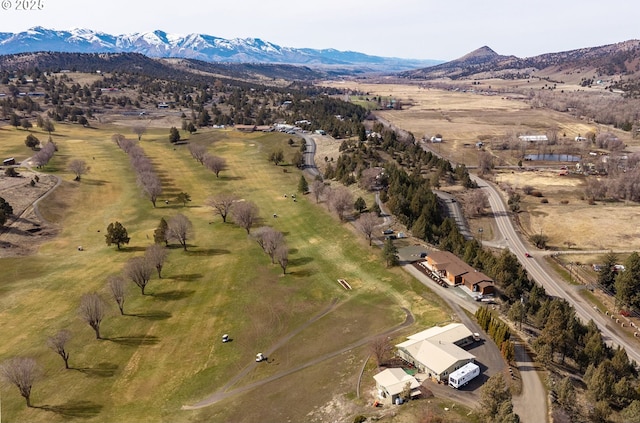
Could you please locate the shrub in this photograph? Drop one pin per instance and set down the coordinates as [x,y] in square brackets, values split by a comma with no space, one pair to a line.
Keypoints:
[527,189]
[536,194]
[564,202]
[544,201]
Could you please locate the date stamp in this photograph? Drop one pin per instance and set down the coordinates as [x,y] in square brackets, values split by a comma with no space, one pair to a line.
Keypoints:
[22,4]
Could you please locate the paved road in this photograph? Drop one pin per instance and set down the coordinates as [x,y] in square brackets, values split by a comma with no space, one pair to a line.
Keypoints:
[542,274]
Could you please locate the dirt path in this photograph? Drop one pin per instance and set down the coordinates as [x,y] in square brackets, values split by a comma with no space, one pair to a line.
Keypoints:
[27,228]
[224,393]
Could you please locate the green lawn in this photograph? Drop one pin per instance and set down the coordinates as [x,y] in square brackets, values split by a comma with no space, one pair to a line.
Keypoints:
[166,352]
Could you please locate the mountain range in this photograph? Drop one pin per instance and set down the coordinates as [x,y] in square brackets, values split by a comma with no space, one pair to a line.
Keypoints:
[196,46]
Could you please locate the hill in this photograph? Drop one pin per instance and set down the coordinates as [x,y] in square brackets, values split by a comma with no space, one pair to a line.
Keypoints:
[176,69]
[617,62]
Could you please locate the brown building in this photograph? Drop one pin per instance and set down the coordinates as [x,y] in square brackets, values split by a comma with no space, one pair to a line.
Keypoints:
[456,272]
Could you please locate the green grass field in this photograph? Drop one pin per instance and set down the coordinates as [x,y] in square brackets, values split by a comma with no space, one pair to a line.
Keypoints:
[166,352]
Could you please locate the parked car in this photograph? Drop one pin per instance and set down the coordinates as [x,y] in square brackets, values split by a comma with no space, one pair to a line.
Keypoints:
[527,255]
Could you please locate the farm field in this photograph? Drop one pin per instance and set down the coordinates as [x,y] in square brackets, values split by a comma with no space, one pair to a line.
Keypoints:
[464,118]
[166,353]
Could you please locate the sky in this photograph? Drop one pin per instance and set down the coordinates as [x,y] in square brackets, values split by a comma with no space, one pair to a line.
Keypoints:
[415,29]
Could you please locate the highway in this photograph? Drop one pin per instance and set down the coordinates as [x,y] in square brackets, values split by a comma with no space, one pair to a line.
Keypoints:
[542,274]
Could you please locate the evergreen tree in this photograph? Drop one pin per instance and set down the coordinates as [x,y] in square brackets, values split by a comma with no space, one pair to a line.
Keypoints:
[390,253]
[174,134]
[116,234]
[160,234]
[303,185]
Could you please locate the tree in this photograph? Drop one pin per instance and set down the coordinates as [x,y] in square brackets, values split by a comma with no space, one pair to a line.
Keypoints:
[118,291]
[342,202]
[607,273]
[493,395]
[198,152]
[381,349]
[317,188]
[222,204]
[156,255]
[298,160]
[477,202]
[78,167]
[93,310]
[160,233]
[139,130]
[48,126]
[627,283]
[282,256]
[360,205]
[539,240]
[139,271]
[21,372]
[276,157]
[271,241]
[26,124]
[32,141]
[303,185]
[58,344]
[215,164]
[180,228]
[245,214]
[367,223]
[117,234]
[183,198]
[174,134]
[514,202]
[390,253]
[5,207]
[151,185]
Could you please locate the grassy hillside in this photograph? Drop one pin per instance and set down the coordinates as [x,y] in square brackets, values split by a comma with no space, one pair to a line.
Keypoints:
[166,351]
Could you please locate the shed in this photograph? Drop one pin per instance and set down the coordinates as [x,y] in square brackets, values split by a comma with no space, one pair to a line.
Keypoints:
[391,382]
[8,162]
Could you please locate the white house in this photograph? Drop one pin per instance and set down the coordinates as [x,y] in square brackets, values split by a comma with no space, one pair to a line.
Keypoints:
[391,382]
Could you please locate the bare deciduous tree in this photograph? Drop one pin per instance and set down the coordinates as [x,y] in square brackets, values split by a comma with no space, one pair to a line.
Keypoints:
[485,162]
[180,228]
[22,372]
[118,291]
[58,343]
[245,214]
[342,202]
[317,188]
[79,168]
[271,240]
[93,310]
[198,152]
[215,164]
[156,255]
[282,256]
[222,204]
[380,348]
[151,186]
[476,202]
[367,223]
[139,130]
[139,270]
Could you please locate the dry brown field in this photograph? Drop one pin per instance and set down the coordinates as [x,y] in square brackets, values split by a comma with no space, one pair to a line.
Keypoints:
[463,118]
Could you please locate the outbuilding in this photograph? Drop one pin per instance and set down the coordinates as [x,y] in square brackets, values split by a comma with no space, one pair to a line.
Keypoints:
[390,384]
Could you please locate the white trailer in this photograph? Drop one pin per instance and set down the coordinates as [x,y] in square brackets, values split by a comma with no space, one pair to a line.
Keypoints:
[464,375]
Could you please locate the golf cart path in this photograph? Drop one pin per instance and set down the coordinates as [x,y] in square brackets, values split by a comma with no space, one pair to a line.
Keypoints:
[225,393]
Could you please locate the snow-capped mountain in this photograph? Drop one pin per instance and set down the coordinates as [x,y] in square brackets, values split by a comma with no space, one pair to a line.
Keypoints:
[193,46]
